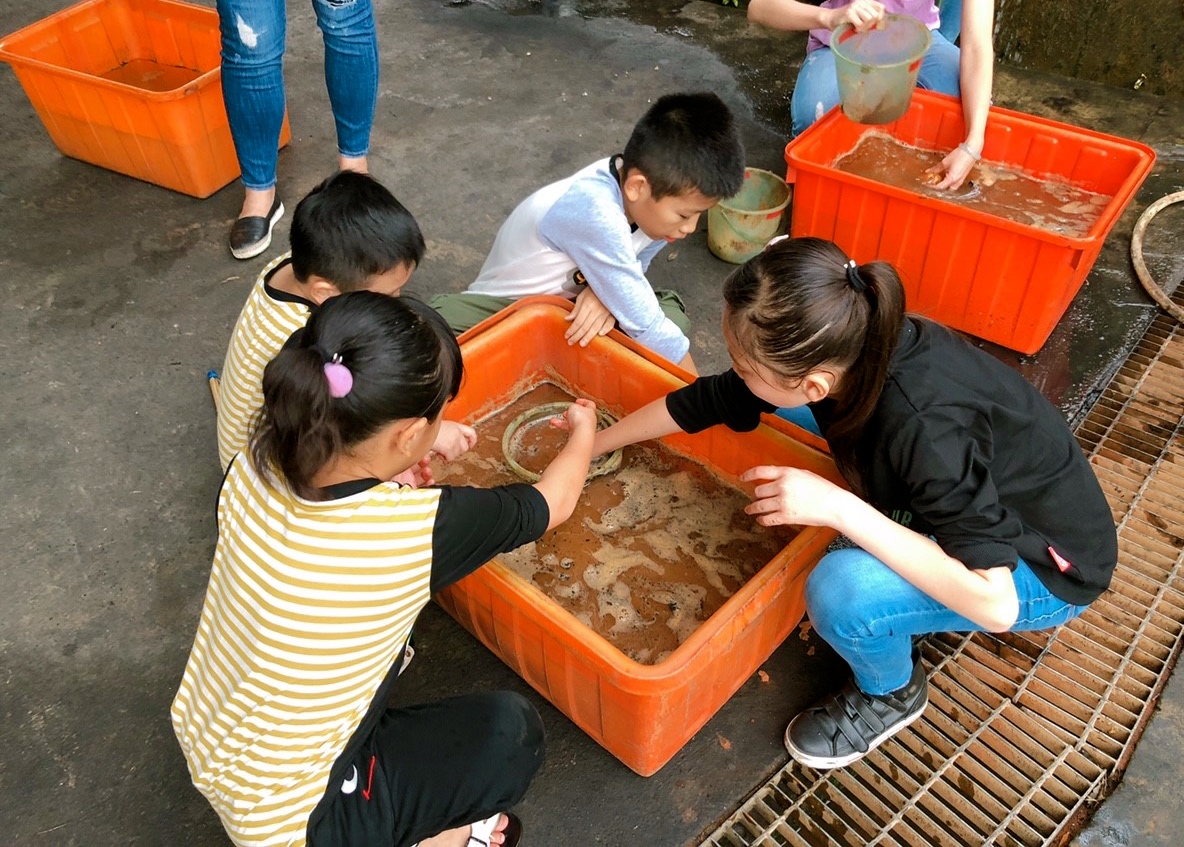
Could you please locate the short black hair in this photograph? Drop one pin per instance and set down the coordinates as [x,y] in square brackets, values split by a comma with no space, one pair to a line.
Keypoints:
[685,142]
[349,228]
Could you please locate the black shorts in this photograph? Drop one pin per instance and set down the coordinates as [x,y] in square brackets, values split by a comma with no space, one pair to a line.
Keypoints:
[429,768]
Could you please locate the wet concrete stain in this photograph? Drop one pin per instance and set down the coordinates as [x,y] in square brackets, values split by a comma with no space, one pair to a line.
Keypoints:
[725,30]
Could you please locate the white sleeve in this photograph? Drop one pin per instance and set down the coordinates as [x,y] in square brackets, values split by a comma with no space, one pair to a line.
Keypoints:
[648,252]
[595,234]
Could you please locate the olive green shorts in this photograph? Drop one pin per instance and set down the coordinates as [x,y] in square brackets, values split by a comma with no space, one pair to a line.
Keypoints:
[467,309]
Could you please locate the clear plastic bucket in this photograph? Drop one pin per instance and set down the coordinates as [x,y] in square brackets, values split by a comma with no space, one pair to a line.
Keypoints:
[877,69]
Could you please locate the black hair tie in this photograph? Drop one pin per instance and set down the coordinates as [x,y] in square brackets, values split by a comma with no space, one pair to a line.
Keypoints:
[325,355]
[853,278]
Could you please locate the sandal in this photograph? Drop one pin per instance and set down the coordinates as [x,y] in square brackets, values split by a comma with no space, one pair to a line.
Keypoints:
[481,831]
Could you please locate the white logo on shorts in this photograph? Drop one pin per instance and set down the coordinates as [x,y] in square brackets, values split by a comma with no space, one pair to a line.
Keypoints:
[350,784]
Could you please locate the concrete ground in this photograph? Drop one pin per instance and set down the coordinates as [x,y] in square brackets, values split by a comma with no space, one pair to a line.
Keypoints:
[117,296]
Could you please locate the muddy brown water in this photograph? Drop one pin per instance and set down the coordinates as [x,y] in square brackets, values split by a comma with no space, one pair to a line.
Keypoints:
[651,551]
[996,189]
[151,76]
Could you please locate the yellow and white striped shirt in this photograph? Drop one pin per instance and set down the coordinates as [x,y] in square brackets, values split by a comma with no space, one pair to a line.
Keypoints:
[263,326]
[307,609]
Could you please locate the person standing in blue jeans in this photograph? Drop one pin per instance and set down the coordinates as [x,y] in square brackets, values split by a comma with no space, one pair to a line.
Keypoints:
[971,505]
[965,71]
[253,35]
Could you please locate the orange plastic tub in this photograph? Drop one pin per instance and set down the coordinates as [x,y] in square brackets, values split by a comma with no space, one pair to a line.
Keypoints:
[642,714]
[994,278]
[133,86]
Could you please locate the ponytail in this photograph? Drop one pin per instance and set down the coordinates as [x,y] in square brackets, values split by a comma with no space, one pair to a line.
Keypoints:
[863,380]
[800,305]
[362,361]
[294,433]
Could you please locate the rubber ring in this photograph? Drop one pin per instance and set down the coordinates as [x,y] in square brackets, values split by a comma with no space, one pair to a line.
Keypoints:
[600,465]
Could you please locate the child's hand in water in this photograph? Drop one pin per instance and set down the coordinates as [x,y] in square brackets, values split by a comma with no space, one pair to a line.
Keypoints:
[588,319]
[579,417]
[418,475]
[453,440]
[792,496]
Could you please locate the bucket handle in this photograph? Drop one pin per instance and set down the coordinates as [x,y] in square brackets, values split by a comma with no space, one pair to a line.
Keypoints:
[724,215]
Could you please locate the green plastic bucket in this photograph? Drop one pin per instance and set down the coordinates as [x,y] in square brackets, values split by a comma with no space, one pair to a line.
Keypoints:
[739,227]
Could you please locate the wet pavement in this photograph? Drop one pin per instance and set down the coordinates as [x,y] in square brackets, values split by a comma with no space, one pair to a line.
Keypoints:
[117,297]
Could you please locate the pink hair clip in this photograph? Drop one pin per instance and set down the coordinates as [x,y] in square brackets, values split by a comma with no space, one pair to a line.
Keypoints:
[340,380]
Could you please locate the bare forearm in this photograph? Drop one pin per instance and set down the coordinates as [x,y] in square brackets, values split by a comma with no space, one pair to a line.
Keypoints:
[977,68]
[789,15]
[652,420]
[563,480]
[986,597]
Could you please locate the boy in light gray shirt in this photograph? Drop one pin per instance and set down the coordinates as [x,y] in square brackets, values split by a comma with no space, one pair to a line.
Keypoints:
[590,237]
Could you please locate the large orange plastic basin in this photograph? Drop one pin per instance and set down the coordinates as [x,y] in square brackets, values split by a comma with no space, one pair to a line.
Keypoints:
[642,714]
[995,278]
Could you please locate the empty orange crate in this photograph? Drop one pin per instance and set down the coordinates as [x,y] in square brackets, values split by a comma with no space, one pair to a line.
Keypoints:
[642,714]
[133,86]
[991,277]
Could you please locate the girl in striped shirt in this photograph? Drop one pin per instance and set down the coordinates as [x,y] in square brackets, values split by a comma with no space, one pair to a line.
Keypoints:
[320,569]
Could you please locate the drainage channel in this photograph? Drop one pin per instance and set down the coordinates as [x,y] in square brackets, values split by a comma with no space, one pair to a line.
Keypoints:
[1026,732]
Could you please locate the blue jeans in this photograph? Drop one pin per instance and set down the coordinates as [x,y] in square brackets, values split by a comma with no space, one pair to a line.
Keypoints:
[817,89]
[253,33]
[802,416]
[869,615]
[951,19]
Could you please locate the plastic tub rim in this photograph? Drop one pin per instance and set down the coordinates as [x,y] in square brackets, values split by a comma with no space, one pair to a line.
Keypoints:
[204,78]
[681,656]
[1100,227]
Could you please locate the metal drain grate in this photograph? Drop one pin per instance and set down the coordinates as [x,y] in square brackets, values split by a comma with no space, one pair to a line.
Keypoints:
[1026,731]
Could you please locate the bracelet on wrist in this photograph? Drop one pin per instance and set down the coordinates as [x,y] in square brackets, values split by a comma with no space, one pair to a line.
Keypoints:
[978,157]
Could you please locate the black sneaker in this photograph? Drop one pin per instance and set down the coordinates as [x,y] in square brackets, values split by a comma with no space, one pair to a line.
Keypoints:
[847,726]
[250,236]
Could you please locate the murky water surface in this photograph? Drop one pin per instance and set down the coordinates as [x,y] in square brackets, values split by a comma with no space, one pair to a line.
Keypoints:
[651,551]
[996,189]
[151,76]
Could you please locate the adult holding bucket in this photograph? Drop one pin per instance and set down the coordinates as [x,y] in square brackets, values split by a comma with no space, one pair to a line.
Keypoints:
[964,71]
